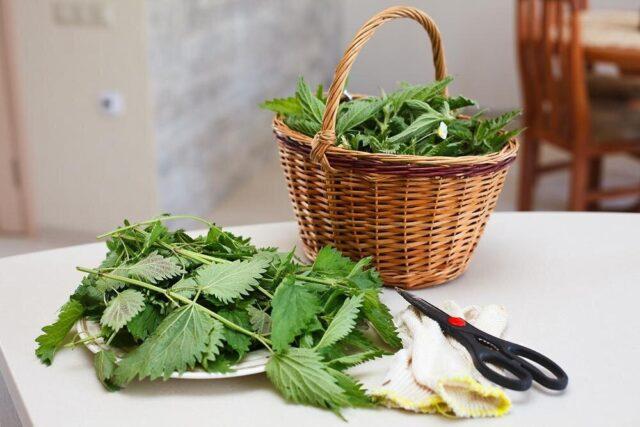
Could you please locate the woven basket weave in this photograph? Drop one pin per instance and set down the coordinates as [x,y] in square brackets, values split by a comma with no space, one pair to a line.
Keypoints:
[419,217]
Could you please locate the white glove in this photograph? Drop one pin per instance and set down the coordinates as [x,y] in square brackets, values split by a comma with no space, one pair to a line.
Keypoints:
[435,373]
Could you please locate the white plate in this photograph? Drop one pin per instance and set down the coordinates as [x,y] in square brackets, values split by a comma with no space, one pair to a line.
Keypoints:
[253,363]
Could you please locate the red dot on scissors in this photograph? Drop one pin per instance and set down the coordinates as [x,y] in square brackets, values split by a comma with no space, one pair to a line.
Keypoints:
[457,321]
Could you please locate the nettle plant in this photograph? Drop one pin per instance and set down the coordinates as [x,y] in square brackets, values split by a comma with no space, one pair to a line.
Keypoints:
[171,303]
[414,120]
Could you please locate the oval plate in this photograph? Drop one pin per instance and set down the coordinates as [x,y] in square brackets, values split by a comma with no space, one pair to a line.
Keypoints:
[253,363]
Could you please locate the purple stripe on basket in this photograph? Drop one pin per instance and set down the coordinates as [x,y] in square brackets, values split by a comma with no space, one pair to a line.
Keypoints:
[402,169]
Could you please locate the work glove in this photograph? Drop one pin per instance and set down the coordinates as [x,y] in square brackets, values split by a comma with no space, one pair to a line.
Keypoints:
[433,373]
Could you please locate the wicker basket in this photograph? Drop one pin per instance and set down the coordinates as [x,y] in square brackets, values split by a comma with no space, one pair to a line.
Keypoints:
[419,217]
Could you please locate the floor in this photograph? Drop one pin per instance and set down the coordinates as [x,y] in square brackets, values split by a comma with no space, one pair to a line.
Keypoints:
[264,198]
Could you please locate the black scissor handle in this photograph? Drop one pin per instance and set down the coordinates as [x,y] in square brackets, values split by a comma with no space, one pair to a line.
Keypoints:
[524,354]
[483,356]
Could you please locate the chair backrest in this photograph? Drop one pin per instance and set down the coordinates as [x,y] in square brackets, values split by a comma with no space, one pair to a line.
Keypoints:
[552,71]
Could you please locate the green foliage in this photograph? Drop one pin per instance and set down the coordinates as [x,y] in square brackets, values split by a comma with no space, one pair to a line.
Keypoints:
[175,346]
[105,365]
[145,322]
[260,320]
[343,322]
[302,377]
[122,308]
[171,302]
[54,334]
[230,281]
[294,307]
[412,120]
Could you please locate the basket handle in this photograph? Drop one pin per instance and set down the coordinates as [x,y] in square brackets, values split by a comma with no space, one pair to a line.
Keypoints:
[327,135]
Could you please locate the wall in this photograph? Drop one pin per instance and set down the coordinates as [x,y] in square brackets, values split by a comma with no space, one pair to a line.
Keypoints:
[89,169]
[212,62]
[479,42]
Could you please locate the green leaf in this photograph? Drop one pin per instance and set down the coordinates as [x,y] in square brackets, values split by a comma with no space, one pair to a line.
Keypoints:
[221,365]
[343,322]
[122,308]
[145,322]
[185,287]
[422,126]
[228,282]
[156,231]
[105,284]
[154,268]
[301,376]
[237,341]
[175,346]
[312,107]
[293,307]
[331,261]
[380,318]
[303,125]
[283,106]
[356,358]
[216,341]
[460,102]
[355,394]
[260,320]
[358,112]
[105,365]
[54,334]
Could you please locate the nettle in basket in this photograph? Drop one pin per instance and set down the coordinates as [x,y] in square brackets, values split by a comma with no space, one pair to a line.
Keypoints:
[400,177]
[417,120]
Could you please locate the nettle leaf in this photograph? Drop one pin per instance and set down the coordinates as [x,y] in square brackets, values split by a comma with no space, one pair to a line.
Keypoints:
[330,261]
[155,267]
[301,376]
[283,106]
[293,308]
[353,390]
[356,358]
[343,322]
[380,318]
[122,308]
[303,125]
[145,322]
[237,341]
[54,334]
[154,235]
[175,346]
[216,341]
[105,284]
[358,112]
[185,287]
[230,281]
[260,320]
[105,365]
[421,127]
[312,107]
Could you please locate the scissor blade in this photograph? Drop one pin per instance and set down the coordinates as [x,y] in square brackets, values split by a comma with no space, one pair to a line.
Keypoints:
[424,306]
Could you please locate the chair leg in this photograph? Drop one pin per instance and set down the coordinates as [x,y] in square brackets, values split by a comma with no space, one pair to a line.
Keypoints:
[579,182]
[528,164]
[595,178]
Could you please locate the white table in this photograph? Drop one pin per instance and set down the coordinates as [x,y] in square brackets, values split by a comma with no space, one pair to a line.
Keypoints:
[571,283]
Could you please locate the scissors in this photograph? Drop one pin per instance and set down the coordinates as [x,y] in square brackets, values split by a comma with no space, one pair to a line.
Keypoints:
[485,350]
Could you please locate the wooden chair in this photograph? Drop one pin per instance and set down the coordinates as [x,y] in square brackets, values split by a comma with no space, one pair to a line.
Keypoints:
[567,106]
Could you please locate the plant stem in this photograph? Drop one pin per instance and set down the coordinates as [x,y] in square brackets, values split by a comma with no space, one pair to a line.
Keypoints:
[180,298]
[264,291]
[151,221]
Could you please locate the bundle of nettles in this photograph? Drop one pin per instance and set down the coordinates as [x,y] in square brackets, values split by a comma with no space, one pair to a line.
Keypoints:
[415,120]
[175,303]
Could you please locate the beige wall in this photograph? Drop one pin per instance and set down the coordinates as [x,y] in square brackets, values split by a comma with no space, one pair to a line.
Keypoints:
[89,169]
[479,45]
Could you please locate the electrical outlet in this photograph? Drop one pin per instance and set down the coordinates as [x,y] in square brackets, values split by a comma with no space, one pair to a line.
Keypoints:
[82,13]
